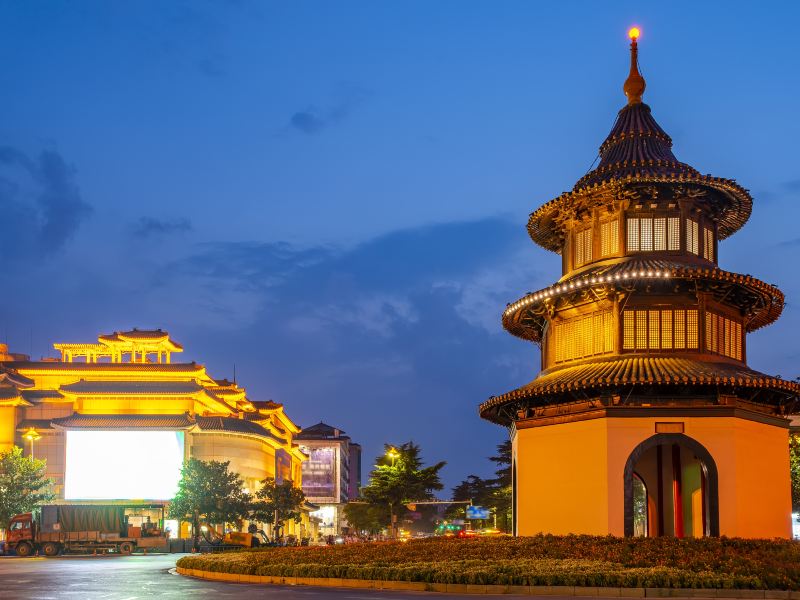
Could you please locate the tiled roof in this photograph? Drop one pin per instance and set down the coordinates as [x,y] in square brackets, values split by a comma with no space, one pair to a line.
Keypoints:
[10,376]
[79,421]
[40,395]
[156,388]
[45,366]
[768,300]
[233,424]
[265,404]
[8,392]
[320,431]
[640,371]
[39,424]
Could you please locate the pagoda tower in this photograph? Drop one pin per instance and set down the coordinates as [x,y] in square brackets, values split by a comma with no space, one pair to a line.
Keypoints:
[645,418]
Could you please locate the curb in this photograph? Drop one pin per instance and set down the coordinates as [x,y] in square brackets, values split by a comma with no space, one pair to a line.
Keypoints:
[523,590]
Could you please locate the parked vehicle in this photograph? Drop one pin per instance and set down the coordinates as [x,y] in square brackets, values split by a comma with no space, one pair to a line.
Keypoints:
[79,528]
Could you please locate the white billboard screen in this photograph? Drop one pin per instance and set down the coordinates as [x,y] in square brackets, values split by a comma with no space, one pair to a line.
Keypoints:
[121,465]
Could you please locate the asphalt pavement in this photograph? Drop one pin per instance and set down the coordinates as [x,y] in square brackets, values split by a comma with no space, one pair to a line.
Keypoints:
[134,577]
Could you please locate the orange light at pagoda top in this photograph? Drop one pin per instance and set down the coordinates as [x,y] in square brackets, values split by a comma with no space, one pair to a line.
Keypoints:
[634,33]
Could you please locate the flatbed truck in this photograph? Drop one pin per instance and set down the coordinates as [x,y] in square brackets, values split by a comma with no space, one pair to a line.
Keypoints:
[57,528]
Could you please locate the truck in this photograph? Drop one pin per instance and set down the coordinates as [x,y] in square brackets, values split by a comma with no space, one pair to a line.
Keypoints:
[57,528]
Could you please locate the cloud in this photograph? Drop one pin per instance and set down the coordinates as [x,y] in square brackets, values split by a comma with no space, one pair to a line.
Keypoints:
[147,227]
[313,119]
[792,186]
[40,203]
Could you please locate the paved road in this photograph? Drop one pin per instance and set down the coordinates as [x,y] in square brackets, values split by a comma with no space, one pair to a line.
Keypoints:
[136,577]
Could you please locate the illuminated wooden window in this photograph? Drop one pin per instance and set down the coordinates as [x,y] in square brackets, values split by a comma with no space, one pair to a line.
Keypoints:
[692,237]
[708,244]
[660,233]
[659,329]
[666,329]
[646,234]
[641,329]
[583,247]
[628,331]
[680,329]
[723,336]
[655,333]
[674,235]
[609,238]
[691,329]
[633,235]
[583,336]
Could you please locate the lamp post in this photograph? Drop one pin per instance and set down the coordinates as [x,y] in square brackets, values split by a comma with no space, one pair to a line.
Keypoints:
[394,455]
[32,435]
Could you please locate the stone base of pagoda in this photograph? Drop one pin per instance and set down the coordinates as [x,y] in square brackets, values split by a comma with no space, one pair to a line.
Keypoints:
[651,472]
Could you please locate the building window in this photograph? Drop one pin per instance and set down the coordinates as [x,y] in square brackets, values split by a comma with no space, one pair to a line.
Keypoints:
[583,247]
[646,234]
[723,336]
[692,237]
[659,330]
[708,244]
[580,337]
[609,238]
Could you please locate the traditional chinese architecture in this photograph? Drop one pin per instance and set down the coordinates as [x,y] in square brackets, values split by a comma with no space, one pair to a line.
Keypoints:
[645,418]
[116,419]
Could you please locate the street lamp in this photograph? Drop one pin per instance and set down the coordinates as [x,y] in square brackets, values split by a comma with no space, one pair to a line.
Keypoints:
[32,435]
[393,454]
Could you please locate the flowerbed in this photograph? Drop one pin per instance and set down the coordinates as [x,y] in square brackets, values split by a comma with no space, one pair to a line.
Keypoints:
[539,560]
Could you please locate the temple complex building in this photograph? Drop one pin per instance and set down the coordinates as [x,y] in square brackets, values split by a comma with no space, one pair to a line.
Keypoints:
[645,418]
[116,419]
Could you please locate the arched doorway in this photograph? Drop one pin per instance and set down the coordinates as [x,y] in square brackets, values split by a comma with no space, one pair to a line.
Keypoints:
[677,489]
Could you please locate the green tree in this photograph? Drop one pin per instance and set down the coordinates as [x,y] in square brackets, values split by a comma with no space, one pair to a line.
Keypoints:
[369,518]
[277,503]
[494,494]
[23,485]
[208,492]
[399,478]
[794,467]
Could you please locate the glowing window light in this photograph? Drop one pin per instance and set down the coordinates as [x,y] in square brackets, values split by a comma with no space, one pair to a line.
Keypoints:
[660,233]
[641,329]
[691,329]
[633,235]
[628,332]
[646,235]
[674,236]
[666,329]
[692,236]
[708,244]
[609,238]
[654,337]
[680,329]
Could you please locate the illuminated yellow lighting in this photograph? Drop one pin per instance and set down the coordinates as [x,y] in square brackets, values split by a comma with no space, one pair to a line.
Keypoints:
[32,435]
[634,33]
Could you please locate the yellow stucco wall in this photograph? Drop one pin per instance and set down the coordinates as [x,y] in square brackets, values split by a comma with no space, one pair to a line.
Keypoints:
[7,425]
[570,476]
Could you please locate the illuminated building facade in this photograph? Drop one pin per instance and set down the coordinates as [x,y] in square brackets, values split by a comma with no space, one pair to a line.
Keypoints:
[332,473]
[645,418]
[116,419]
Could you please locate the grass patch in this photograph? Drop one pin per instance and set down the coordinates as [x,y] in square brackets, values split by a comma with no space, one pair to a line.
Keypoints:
[727,563]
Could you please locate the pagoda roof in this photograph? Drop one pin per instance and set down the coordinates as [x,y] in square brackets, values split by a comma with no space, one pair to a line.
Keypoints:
[81,421]
[149,388]
[233,424]
[42,395]
[637,370]
[38,424]
[48,365]
[766,301]
[639,151]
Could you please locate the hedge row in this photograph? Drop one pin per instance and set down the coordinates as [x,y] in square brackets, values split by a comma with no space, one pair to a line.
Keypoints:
[539,560]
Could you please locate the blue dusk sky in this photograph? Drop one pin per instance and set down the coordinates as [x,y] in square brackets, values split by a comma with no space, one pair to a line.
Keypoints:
[332,196]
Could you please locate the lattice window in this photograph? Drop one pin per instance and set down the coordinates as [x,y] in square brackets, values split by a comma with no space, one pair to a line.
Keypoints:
[628,331]
[583,336]
[609,238]
[692,237]
[723,336]
[674,235]
[583,247]
[708,244]
[646,234]
[659,329]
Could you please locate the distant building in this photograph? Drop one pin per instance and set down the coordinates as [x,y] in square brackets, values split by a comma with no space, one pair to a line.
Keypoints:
[332,473]
[116,419]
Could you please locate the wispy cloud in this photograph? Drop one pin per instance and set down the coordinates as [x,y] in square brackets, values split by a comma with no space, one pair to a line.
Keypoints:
[147,227]
[40,203]
[314,119]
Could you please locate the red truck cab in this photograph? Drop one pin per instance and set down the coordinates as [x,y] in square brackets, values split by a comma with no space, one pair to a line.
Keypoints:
[21,529]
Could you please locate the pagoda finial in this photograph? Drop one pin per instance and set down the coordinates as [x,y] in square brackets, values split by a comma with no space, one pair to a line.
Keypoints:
[634,84]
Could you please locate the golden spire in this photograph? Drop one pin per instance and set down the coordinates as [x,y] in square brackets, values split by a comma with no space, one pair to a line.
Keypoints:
[634,84]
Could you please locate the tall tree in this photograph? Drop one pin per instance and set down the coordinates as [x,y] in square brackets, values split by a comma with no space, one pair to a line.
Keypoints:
[277,503]
[23,485]
[794,467]
[370,518]
[208,492]
[399,478]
